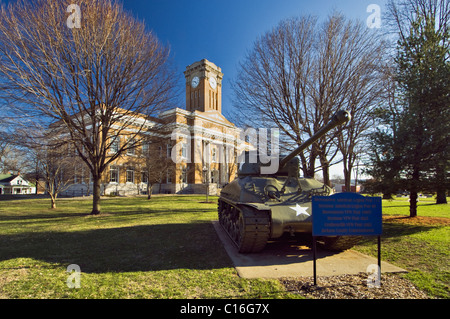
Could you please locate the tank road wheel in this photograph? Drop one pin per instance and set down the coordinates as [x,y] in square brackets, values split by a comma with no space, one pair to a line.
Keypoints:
[340,243]
[248,228]
[252,230]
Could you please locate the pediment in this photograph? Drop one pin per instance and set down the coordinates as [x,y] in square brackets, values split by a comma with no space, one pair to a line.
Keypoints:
[214,115]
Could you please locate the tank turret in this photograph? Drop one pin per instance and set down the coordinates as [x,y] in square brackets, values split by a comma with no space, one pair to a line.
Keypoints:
[256,207]
[249,168]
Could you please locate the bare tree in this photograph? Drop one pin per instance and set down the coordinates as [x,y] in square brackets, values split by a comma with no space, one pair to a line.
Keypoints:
[300,73]
[272,82]
[156,160]
[12,158]
[56,168]
[3,151]
[402,14]
[94,73]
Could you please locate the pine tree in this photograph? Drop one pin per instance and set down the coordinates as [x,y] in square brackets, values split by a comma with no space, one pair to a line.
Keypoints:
[423,77]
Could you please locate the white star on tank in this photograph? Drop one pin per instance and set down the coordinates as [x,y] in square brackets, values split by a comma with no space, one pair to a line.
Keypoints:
[300,210]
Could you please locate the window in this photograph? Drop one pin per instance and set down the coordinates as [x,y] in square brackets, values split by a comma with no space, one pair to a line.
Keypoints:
[132,149]
[169,177]
[114,174]
[169,150]
[184,150]
[115,145]
[145,148]
[130,175]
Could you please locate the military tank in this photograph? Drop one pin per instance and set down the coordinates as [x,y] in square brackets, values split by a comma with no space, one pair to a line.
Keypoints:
[255,207]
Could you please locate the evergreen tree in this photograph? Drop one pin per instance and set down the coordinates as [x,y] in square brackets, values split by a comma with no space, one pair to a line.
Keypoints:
[423,75]
[384,157]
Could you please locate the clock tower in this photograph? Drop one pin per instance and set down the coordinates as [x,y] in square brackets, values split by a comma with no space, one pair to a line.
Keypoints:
[203,87]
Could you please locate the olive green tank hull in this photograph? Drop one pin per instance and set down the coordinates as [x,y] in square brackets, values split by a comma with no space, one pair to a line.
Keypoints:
[257,207]
[289,211]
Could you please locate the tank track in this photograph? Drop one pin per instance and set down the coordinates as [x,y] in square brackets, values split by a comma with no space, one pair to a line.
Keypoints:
[248,228]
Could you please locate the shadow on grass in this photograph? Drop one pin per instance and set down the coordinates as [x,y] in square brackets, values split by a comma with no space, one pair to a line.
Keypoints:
[394,231]
[62,213]
[391,230]
[40,216]
[124,249]
[407,205]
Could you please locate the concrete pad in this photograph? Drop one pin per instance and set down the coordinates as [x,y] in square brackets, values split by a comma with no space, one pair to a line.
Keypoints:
[288,259]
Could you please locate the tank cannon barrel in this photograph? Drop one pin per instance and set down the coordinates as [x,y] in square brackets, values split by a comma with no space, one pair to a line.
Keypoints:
[263,204]
[340,117]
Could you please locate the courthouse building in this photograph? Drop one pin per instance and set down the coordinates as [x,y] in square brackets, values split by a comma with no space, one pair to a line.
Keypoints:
[197,146]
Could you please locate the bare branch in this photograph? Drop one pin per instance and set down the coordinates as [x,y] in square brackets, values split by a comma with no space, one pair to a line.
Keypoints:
[90,84]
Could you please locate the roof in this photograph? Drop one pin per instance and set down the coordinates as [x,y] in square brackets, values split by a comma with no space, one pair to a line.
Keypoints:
[6,178]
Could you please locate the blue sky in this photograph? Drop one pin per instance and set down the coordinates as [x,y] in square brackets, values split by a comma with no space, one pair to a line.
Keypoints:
[223,31]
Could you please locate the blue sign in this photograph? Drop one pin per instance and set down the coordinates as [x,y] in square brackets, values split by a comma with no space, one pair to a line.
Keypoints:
[346,214]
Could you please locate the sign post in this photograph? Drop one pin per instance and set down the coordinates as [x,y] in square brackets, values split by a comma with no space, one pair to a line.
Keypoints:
[346,214]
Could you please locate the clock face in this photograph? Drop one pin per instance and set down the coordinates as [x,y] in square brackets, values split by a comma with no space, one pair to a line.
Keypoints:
[212,82]
[195,81]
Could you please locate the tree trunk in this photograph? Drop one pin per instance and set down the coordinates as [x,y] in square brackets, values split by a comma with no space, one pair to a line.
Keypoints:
[149,190]
[413,193]
[325,170]
[53,201]
[347,179]
[387,195]
[441,197]
[303,165]
[441,184]
[96,196]
[413,204]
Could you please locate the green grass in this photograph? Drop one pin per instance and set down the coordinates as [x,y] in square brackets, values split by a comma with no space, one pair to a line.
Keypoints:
[425,207]
[162,248]
[167,248]
[419,245]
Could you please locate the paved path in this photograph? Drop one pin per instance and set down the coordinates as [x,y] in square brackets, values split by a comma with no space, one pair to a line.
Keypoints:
[288,259]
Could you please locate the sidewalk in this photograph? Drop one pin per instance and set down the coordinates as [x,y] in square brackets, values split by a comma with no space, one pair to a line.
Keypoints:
[284,259]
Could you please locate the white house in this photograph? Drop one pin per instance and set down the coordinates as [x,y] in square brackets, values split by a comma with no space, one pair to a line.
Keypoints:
[15,184]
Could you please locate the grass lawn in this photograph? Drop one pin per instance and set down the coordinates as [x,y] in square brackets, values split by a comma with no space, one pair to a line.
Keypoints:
[167,248]
[421,245]
[162,248]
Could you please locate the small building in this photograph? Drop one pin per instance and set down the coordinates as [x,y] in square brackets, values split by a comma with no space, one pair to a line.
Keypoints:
[15,184]
[340,188]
